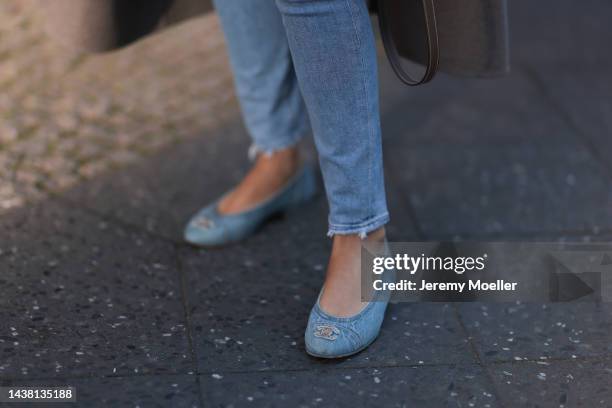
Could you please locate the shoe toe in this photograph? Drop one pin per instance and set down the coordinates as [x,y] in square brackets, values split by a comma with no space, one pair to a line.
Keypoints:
[203,231]
[331,339]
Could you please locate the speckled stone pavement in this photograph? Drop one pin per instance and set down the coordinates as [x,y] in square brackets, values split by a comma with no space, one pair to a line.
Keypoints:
[103,158]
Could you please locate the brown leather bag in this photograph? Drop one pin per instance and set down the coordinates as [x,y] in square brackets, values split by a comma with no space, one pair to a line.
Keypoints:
[467,37]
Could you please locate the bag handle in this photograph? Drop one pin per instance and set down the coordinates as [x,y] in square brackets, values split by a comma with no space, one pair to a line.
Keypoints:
[433,51]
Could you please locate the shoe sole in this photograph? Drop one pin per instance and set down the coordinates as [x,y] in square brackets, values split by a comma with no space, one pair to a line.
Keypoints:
[352,353]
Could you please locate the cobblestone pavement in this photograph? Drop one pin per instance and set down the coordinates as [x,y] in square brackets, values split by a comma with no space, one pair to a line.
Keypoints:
[104,157]
[67,116]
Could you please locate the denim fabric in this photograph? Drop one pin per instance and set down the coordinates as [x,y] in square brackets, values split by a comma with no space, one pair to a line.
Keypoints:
[319,56]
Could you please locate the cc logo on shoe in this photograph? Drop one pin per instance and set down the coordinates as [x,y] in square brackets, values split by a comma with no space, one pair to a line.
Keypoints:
[326,331]
[204,223]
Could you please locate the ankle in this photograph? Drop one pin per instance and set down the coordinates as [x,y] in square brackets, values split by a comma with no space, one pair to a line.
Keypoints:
[355,240]
[282,162]
[346,250]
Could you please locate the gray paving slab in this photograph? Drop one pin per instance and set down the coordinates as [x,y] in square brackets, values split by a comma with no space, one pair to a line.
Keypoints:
[249,311]
[459,386]
[135,391]
[508,332]
[81,297]
[561,33]
[576,383]
[452,111]
[488,191]
[582,96]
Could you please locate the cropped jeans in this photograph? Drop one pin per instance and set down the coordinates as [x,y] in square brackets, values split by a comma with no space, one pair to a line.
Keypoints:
[302,65]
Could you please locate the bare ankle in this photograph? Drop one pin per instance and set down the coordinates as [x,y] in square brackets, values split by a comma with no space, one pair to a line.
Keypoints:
[285,161]
[269,174]
[355,239]
[342,289]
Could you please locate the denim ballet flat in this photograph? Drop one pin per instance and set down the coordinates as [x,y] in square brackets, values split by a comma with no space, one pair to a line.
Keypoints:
[210,228]
[329,336]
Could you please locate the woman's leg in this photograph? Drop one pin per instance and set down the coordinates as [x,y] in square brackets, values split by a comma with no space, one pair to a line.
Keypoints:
[333,50]
[269,96]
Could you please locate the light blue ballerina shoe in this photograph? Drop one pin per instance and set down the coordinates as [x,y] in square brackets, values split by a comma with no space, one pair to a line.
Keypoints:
[209,228]
[329,336]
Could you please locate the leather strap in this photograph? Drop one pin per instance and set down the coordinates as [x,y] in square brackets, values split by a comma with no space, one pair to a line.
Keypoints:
[433,51]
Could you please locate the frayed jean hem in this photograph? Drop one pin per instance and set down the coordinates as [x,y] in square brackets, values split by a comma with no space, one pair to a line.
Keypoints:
[361,229]
[256,149]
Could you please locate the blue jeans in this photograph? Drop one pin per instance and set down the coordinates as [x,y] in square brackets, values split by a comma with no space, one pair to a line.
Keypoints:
[295,60]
